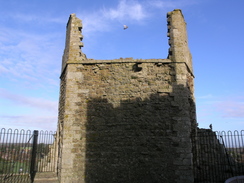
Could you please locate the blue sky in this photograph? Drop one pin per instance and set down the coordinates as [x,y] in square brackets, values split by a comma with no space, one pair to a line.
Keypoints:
[32,37]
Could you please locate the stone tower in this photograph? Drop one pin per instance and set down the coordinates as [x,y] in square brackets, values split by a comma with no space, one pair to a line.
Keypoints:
[126,120]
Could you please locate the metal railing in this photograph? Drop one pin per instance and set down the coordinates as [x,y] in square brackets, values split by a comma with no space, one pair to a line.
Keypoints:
[25,152]
[46,152]
[219,155]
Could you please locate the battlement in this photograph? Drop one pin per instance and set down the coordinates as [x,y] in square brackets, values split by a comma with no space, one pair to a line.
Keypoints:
[125,60]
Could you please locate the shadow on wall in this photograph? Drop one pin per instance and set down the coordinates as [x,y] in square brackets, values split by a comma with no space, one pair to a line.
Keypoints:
[139,141]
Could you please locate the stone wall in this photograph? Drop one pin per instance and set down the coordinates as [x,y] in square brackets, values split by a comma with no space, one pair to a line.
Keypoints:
[127,120]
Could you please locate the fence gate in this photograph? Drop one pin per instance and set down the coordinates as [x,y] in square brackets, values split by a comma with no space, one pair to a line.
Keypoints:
[23,153]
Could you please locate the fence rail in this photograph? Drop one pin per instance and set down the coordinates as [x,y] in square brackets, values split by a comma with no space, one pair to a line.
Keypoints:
[25,152]
[219,155]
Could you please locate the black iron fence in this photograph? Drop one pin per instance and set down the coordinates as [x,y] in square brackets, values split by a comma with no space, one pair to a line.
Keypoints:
[218,155]
[23,153]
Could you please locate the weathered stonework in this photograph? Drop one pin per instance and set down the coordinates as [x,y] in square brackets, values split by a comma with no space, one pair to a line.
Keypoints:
[127,120]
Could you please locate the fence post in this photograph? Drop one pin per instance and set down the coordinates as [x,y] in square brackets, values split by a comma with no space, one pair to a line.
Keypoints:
[33,156]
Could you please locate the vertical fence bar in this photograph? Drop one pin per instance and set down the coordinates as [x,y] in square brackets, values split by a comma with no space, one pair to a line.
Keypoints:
[242,150]
[234,150]
[221,159]
[214,155]
[231,150]
[220,149]
[33,156]
[228,157]
[22,154]
[46,151]
[220,155]
[14,156]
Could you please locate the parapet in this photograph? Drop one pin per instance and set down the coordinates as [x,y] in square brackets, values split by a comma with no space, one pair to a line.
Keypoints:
[125,60]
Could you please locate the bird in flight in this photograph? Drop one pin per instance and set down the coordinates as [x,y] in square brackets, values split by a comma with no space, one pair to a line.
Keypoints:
[125,27]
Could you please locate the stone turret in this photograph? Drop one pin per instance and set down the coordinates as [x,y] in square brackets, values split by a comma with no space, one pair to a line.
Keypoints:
[70,126]
[73,44]
[178,41]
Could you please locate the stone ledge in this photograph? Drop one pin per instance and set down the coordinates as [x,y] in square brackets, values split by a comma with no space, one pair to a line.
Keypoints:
[126,60]
[46,177]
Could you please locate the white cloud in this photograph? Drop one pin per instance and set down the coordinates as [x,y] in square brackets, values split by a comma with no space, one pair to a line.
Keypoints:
[224,106]
[171,4]
[30,17]
[125,10]
[29,122]
[41,113]
[231,108]
[3,69]
[30,56]
[106,19]
[30,101]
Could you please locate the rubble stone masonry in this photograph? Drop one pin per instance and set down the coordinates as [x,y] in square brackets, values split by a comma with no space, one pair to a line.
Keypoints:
[126,120]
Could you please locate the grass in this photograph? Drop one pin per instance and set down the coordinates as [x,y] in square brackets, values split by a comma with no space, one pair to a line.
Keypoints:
[14,167]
